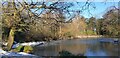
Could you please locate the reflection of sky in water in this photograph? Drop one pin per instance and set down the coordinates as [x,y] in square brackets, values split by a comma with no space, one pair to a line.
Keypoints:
[96,53]
[88,47]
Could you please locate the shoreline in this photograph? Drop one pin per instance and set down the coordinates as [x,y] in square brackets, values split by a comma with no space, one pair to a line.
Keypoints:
[88,36]
[82,37]
[42,43]
[32,43]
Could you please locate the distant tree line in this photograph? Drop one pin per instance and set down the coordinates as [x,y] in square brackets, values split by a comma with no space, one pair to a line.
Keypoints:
[109,24]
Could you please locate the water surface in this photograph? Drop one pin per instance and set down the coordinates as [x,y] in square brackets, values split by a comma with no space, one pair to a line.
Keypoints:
[88,47]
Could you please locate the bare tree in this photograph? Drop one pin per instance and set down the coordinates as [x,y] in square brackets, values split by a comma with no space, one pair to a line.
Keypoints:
[15,15]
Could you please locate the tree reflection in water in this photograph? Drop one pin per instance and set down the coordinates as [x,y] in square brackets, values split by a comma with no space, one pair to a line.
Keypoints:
[67,54]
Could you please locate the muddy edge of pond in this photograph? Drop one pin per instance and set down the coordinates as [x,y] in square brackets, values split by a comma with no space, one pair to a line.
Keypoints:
[82,37]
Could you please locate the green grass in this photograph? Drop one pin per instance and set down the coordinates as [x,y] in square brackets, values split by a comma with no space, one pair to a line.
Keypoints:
[89,32]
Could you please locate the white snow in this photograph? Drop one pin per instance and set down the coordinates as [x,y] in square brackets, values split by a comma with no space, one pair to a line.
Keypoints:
[28,44]
[4,53]
[32,43]
[22,53]
[17,54]
[15,45]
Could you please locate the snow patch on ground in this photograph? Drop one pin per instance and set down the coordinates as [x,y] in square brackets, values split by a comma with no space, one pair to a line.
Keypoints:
[32,43]
[29,44]
[4,53]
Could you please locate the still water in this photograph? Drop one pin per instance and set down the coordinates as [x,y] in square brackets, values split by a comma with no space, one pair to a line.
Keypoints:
[88,47]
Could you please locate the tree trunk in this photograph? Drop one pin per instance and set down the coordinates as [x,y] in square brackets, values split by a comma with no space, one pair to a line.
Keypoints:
[11,38]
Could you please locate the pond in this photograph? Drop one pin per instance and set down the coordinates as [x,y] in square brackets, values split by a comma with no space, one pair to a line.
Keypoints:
[87,46]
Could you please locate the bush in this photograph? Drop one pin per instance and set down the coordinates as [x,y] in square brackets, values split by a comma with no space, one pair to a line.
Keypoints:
[67,54]
[27,49]
[68,34]
[90,32]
